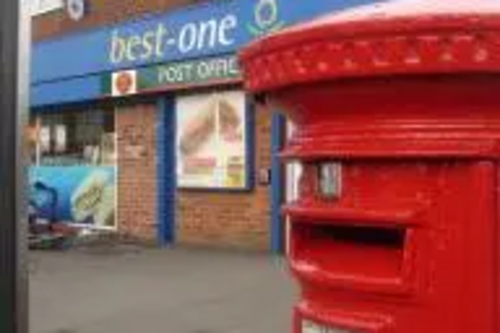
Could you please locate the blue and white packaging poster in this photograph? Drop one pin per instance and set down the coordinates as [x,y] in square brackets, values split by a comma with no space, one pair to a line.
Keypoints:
[84,195]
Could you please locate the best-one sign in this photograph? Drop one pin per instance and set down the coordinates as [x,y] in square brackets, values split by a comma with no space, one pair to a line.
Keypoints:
[211,29]
[208,30]
[156,43]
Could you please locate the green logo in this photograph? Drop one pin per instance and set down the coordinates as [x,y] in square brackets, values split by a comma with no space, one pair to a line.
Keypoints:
[266,18]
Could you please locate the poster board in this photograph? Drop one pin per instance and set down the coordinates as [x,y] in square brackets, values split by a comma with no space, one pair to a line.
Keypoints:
[85,195]
[212,141]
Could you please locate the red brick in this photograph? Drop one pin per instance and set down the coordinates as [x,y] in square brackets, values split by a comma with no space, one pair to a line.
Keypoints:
[137,183]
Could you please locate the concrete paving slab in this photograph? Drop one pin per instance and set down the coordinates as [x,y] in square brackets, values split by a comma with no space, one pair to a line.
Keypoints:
[130,290]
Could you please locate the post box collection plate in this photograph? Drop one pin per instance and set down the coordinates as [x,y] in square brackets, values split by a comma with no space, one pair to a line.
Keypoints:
[330,180]
[311,327]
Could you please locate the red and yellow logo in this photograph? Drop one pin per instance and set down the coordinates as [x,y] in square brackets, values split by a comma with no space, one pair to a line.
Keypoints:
[124,83]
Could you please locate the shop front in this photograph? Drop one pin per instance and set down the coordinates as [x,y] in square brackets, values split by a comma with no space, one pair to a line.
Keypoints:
[143,128]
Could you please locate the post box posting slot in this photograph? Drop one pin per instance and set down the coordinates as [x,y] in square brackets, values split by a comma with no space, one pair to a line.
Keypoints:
[363,256]
[356,225]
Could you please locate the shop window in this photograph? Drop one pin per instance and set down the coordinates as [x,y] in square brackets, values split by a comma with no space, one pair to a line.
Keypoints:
[75,138]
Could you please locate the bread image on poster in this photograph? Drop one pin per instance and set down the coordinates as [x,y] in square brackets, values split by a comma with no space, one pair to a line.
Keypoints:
[87,197]
[229,119]
[198,129]
[202,126]
[104,212]
[211,140]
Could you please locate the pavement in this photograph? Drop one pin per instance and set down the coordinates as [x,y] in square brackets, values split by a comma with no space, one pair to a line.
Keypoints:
[137,290]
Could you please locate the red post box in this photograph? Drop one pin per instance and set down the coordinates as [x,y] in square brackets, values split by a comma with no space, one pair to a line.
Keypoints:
[397,110]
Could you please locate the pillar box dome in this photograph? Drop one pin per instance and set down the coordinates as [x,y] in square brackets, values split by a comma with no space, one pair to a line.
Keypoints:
[388,38]
[308,69]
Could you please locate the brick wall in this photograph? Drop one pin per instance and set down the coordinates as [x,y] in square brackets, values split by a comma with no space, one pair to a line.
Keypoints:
[137,171]
[101,12]
[239,220]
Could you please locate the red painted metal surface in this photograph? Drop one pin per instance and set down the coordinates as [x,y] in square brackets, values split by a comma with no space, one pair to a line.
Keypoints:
[380,40]
[405,97]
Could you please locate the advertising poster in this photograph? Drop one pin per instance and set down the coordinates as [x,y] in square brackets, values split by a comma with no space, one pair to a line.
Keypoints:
[211,141]
[80,195]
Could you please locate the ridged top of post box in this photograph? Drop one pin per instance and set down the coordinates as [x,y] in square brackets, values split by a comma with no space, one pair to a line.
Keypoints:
[406,37]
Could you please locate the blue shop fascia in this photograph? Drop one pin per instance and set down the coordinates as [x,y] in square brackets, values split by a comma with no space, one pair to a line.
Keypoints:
[139,125]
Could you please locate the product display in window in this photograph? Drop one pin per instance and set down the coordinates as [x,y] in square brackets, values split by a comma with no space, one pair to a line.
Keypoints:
[60,138]
[77,138]
[44,139]
[108,148]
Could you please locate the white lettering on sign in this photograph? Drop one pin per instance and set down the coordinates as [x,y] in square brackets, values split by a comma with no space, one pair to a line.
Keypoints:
[155,43]
[187,38]
[176,74]
[207,34]
[193,72]
[218,68]
[227,24]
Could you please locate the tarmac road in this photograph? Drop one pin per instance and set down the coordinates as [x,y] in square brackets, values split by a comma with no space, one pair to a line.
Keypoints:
[133,290]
